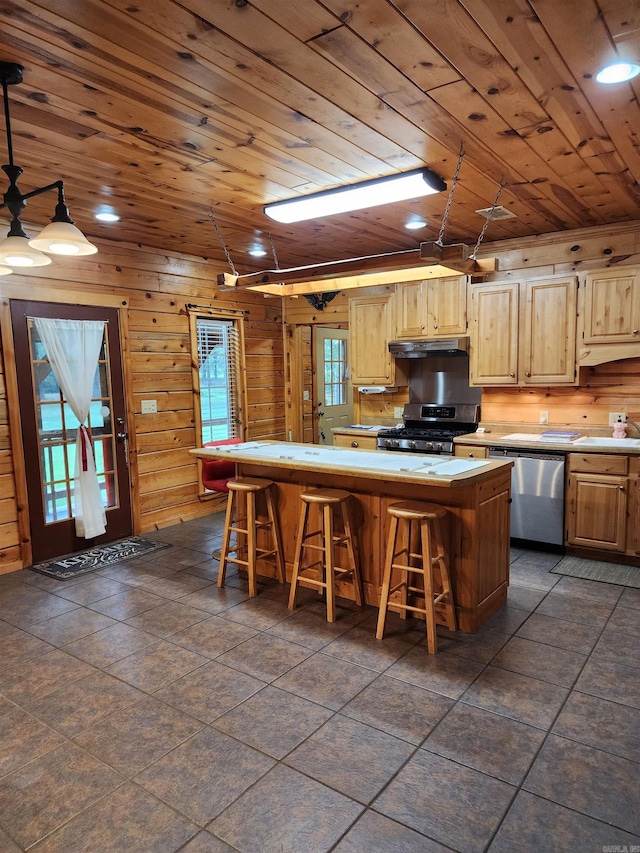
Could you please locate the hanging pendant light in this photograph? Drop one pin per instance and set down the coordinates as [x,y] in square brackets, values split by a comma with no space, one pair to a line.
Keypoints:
[16,252]
[61,237]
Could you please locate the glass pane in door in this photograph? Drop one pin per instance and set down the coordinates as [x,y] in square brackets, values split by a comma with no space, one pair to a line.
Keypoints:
[57,426]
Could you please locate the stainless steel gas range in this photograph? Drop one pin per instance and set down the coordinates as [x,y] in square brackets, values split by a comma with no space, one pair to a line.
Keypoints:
[430,428]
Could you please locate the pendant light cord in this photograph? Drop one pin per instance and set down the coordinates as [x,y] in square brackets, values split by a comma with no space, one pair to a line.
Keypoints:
[5,95]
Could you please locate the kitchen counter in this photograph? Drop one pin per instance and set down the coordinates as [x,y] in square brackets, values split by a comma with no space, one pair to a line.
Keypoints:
[587,443]
[362,429]
[475,492]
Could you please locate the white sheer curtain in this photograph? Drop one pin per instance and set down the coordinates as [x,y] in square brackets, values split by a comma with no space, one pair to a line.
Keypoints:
[73,348]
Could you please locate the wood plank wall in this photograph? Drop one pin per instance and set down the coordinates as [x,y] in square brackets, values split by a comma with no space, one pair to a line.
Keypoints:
[158,287]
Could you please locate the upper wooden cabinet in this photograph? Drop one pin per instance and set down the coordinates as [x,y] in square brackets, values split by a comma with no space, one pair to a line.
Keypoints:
[612,307]
[523,333]
[372,324]
[493,315]
[433,308]
[609,316]
[548,332]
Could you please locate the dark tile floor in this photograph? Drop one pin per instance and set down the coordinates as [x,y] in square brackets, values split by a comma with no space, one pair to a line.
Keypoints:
[142,710]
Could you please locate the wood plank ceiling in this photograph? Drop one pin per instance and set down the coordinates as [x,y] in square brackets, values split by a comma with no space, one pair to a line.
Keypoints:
[166,110]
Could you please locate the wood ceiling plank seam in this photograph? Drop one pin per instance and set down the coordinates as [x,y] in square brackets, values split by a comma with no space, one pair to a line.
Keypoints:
[347,55]
[452,99]
[248,69]
[360,153]
[616,105]
[303,20]
[525,44]
[476,59]
[232,155]
[300,63]
[536,56]
[397,40]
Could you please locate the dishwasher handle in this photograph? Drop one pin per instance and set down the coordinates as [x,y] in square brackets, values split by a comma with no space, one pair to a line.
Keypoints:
[512,453]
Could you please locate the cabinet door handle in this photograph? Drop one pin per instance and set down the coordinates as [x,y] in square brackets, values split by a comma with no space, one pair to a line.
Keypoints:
[621,488]
[635,331]
[354,444]
[512,375]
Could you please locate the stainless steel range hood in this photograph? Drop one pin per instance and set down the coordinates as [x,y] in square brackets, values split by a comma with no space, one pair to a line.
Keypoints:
[426,348]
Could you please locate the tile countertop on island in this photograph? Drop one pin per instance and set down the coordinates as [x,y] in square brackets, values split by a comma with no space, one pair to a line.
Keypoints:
[523,436]
[405,467]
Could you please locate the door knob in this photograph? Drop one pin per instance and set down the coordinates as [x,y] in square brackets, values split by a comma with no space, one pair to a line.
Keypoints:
[122,436]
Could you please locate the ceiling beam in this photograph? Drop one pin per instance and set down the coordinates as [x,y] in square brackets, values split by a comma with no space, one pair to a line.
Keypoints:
[430,260]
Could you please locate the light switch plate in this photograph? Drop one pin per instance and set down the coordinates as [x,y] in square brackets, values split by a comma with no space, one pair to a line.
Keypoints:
[149,407]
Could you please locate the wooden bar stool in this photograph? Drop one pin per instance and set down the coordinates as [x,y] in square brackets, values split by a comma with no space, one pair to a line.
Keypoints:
[327,500]
[247,525]
[429,556]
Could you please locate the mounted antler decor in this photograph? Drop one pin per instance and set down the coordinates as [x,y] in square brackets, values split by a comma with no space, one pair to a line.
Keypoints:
[319,300]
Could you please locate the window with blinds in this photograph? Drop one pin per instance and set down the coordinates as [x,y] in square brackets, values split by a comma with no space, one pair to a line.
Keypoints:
[218,343]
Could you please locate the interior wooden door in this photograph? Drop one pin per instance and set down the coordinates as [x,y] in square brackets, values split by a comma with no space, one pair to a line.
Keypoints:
[333,390]
[49,433]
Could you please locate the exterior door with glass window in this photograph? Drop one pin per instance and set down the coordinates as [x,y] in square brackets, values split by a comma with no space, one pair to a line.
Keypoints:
[49,433]
[333,389]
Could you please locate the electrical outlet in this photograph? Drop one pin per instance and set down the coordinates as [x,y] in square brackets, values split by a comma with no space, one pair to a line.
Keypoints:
[614,417]
[544,417]
[397,411]
[148,407]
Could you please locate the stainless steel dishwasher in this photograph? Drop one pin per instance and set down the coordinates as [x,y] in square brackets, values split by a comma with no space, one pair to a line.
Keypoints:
[537,492]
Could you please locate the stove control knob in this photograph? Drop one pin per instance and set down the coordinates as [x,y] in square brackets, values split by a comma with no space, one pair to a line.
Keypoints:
[438,447]
[412,444]
[394,443]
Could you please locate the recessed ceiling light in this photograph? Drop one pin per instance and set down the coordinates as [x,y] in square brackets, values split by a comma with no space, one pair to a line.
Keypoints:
[257,252]
[618,72]
[415,224]
[106,215]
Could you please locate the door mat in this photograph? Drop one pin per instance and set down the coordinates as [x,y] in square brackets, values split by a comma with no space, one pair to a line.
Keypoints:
[598,570]
[83,562]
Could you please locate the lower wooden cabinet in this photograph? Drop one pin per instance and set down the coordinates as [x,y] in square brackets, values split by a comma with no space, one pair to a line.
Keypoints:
[364,442]
[471,451]
[597,501]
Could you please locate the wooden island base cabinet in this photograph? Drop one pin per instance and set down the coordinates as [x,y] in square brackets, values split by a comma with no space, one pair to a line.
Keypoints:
[477,525]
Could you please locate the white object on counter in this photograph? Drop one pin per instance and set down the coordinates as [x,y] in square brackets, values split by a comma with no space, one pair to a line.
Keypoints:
[520,436]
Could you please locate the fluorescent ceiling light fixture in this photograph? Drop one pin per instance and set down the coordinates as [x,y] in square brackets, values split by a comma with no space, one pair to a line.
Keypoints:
[419,182]
[415,224]
[618,72]
[106,216]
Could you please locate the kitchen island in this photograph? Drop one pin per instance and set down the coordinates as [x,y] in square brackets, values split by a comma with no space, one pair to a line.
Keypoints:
[476,494]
